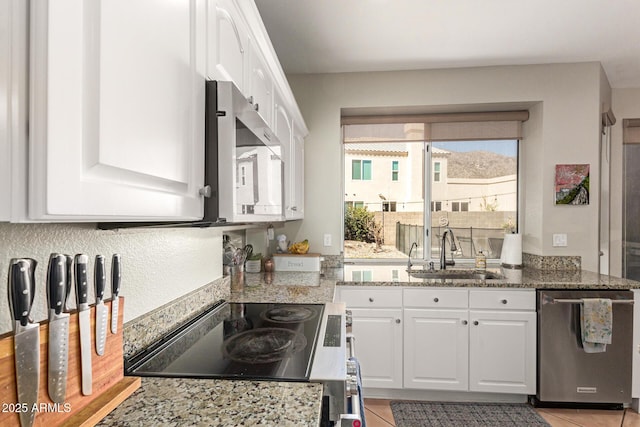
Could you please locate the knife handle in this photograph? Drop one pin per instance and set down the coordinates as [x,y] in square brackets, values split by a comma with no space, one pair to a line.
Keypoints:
[56,282]
[81,262]
[100,277]
[21,288]
[116,271]
[69,284]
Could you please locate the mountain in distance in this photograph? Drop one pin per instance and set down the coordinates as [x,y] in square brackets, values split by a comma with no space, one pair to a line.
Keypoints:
[480,164]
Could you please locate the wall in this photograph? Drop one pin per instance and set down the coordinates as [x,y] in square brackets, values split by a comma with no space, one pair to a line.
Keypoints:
[625,105]
[565,100]
[159,265]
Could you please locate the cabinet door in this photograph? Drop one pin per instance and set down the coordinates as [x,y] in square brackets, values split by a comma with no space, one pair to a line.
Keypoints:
[378,334]
[502,351]
[436,348]
[296,178]
[284,132]
[260,91]
[228,39]
[117,110]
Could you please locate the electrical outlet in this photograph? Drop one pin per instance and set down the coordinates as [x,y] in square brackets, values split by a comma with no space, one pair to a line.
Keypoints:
[560,240]
[327,239]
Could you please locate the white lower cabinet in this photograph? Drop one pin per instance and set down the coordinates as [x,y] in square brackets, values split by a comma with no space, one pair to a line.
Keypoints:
[377,328]
[436,350]
[502,353]
[488,347]
[454,339]
[378,335]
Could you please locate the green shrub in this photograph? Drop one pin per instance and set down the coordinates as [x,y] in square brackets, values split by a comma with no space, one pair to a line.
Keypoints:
[359,224]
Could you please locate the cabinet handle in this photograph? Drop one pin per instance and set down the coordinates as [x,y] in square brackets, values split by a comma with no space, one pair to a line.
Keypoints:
[436,299]
[250,99]
[475,322]
[504,301]
[205,191]
[267,136]
[397,320]
[370,299]
[257,107]
[464,322]
[294,208]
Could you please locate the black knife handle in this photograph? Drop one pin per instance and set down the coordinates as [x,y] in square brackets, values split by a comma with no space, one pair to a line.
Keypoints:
[69,280]
[21,288]
[116,271]
[100,277]
[81,262]
[57,282]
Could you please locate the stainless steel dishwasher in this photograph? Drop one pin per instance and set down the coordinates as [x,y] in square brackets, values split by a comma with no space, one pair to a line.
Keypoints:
[566,374]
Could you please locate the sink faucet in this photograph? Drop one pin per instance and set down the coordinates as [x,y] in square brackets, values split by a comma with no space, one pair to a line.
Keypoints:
[452,244]
[413,245]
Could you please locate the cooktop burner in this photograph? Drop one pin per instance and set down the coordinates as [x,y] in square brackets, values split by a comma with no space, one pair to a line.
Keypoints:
[264,345]
[288,314]
[236,340]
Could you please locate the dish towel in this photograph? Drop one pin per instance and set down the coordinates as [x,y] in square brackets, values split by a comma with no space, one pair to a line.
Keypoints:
[361,396]
[596,321]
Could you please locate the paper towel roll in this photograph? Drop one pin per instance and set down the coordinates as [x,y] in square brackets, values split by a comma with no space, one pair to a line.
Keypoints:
[511,255]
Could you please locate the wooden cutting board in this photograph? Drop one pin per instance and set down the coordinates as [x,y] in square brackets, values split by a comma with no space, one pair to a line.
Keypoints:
[110,387]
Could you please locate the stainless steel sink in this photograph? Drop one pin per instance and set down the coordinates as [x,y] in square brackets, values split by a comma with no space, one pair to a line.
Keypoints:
[455,274]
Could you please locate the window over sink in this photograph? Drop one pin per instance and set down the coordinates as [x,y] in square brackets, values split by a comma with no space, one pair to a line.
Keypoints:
[471,188]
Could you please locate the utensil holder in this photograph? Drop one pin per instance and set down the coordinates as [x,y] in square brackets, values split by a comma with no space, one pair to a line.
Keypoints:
[237,277]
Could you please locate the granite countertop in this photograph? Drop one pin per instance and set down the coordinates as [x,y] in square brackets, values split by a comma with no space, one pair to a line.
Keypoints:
[213,402]
[286,287]
[527,278]
[204,402]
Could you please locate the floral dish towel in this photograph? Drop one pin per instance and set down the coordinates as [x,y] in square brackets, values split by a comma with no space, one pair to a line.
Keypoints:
[596,321]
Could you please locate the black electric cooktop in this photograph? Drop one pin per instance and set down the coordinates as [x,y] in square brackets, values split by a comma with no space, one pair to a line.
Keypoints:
[256,341]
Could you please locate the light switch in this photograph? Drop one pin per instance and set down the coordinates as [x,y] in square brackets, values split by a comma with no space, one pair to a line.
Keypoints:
[559,240]
[327,239]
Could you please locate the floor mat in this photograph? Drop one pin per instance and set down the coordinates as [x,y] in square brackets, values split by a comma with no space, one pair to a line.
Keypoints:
[453,414]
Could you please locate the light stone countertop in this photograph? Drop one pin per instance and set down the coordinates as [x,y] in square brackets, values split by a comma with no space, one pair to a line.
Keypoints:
[526,278]
[203,402]
[286,287]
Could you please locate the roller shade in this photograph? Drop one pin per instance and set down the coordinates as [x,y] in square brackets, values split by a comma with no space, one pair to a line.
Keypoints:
[434,127]
[631,131]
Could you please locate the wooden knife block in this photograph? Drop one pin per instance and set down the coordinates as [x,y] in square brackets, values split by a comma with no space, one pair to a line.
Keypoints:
[110,387]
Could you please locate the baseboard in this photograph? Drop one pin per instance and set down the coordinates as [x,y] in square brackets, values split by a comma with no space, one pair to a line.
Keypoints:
[442,396]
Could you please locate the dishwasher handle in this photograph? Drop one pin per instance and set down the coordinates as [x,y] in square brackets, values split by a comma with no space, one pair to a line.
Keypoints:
[550,300]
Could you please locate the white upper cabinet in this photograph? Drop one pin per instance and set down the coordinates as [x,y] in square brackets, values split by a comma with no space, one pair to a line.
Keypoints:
[296,176]
[117,110]
[228,43]
[284,131]
[260,88]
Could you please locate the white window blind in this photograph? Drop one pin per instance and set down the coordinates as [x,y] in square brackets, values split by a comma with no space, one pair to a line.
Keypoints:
[434,127]
[631,131]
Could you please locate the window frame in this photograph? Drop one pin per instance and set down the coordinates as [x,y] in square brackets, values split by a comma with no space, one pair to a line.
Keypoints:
[427,212]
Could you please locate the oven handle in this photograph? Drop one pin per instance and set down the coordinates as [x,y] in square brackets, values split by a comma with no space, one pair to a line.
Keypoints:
[356,417]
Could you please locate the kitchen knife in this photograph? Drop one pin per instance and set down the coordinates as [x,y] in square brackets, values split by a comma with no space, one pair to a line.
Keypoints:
[58,327]
[115,291]
[27,336]
[84,321]
[69,284]
[102,313]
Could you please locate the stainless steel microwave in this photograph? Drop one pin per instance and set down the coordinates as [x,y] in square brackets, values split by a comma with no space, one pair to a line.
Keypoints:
[243,160]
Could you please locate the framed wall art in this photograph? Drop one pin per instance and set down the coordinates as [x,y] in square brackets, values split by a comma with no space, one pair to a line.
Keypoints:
[572,185]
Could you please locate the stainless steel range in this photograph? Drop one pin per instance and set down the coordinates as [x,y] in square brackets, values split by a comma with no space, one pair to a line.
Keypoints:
[267,342]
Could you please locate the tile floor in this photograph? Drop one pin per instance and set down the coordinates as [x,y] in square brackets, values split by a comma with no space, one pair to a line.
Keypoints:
[378,413]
